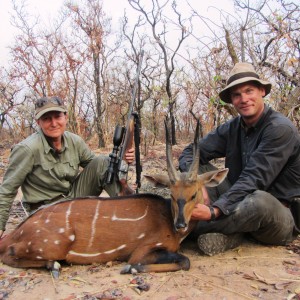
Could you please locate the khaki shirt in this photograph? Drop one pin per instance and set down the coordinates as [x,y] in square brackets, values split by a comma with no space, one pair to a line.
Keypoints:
[40,172]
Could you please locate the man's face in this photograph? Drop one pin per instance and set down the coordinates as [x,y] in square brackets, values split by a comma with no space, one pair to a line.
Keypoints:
[53,123]
[247,98]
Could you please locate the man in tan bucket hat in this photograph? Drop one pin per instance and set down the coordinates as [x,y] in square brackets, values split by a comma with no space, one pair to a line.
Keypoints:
[241,73]
[261,195]
[48,164]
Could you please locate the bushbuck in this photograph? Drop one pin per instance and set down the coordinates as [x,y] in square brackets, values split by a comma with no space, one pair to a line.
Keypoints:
[143,229]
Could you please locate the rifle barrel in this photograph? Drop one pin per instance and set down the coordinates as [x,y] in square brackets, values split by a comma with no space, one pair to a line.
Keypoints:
[136,84]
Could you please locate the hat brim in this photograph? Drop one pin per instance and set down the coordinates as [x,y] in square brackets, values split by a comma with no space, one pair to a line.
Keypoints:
[60,109]
[225,93]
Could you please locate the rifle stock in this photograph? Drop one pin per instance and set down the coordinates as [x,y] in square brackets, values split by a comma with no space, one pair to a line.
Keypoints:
[123,141]
[123,166]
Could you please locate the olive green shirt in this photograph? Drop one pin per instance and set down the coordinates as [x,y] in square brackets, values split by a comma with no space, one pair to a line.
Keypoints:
[42,173]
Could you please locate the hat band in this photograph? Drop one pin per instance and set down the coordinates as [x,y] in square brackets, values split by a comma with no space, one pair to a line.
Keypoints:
[241,75]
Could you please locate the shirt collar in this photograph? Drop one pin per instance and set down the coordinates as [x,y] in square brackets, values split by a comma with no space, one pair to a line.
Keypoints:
[258,123]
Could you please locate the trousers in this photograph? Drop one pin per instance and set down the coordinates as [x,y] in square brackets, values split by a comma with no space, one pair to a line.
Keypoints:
[91,181]
[260,214]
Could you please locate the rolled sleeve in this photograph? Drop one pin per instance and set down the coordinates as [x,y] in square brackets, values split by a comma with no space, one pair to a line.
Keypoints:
[20,164]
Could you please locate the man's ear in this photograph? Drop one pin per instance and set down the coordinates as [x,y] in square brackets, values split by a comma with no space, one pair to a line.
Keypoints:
[263,91]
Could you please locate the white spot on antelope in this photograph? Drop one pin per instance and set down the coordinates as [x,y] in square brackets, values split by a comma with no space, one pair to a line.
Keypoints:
[72,237]
[115,218]
[114,250]
[158,244]
[48,216]
[41,250]
[61,230]
[93,229]
[141,236]
[39,257]
[35,222]
[45,240]
[57,242]
[29,243]
[27,250]
[38,231]
[21,232]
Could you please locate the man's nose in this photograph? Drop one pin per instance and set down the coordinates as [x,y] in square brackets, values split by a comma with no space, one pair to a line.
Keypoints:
[243,97]
[53,122]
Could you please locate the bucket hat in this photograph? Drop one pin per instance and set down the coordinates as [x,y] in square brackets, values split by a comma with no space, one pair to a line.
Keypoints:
[241,73]
[46,104]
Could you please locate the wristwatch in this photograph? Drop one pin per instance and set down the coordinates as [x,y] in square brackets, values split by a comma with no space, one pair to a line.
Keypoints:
[212,212]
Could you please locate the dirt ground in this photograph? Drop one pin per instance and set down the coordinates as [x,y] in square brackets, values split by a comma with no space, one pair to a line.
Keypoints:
[251,271]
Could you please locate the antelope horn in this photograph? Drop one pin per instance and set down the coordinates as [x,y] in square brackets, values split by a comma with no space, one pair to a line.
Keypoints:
[170,165]
[193,171]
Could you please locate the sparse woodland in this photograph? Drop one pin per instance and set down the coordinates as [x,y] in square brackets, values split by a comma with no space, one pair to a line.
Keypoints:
[92,66]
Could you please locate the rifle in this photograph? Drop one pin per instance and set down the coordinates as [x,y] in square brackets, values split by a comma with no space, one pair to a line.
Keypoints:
[123,140]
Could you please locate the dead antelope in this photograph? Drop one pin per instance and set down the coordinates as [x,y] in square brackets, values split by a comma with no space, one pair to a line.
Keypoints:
[145,229]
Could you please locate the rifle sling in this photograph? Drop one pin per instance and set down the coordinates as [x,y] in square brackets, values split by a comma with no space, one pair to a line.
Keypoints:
[137,126]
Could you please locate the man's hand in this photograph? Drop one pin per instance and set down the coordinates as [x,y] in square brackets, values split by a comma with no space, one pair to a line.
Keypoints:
[130,155]
[202,212]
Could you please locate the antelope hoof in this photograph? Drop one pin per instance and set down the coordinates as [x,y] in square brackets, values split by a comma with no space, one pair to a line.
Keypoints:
[132,269]
[127,269]
[55,269]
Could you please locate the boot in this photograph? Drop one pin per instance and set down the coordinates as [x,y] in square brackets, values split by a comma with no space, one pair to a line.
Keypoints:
[214,243]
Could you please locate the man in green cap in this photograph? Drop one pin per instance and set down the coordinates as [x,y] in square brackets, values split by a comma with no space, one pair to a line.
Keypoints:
[261,147]
[46,165]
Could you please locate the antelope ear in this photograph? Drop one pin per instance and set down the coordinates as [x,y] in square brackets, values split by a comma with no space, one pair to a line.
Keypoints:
[213,178]
[159,180]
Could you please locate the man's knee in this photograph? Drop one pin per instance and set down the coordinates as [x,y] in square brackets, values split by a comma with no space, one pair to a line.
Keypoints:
[101,159]
[274,219]
[262,202]
[99,164]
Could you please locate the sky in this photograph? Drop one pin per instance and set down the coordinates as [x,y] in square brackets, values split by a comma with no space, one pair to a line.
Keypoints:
[114,8]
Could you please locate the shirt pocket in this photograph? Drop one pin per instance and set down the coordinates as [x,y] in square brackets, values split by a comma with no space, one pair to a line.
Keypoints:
[71,170]
[53,171]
